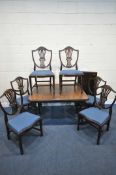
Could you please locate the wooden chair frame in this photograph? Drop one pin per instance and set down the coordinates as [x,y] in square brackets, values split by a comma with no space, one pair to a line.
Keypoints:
[10,95]
[106,89]
[43,67]
[68,52]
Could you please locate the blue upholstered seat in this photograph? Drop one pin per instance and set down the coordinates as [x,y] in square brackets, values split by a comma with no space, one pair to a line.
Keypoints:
[71,72]
[96,115]
[22,122]
[42,73]
[25,100]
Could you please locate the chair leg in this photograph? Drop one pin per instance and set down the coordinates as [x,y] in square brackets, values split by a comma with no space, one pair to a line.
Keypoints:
[8,133]
[36,84]
[108,125]
[81,85]
[78,123]
[41,128]
[50,85]
[7,130]
[20,145]
[30,84]
[75,80]
[54,84]
[60,83]
[99,135]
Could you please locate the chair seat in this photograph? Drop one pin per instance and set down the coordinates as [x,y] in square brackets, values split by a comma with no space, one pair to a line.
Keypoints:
[25,100]
[42,73]
[95,115]
[22,122]
[91,99]
[71,72]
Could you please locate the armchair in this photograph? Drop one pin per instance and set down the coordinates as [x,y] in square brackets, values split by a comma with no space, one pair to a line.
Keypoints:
[16,121]
[100,114]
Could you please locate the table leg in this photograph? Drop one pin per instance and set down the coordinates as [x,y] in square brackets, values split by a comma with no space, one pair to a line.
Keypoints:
[60,83]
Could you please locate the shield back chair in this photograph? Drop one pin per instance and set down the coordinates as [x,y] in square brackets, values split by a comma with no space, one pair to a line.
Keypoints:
[21,87]
[92,97]
[16,121]
[69,72]
[42,73]
[99,116]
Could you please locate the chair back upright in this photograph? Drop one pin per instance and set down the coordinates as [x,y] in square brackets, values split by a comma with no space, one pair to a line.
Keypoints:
[96,82]
[42,58]
[104,95]
[68,58]
[8,104]
[21,87]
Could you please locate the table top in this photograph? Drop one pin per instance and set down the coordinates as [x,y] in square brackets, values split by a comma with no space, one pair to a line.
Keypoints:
[69,94]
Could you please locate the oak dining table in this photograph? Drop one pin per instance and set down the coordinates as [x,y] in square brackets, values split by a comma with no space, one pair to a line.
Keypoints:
[46,95]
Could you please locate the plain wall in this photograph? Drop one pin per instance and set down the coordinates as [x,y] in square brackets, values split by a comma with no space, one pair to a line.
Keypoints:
[87,25]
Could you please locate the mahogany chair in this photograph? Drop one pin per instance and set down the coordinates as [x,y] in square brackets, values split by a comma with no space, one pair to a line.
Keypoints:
[17,121]
[69,67]
[42,73]
[21,87]
[100,114]
[92,97]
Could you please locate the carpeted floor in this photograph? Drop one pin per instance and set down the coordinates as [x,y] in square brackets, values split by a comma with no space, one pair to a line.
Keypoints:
[62,150]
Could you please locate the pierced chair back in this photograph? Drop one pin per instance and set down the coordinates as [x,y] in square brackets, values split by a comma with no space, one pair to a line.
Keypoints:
[68,58]
[42,58]
[8,103]
[21,87]
[97,82]
[100,114]
[104,93]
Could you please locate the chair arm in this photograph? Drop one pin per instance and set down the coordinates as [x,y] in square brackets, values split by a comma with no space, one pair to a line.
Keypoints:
[100,87]
[14,110]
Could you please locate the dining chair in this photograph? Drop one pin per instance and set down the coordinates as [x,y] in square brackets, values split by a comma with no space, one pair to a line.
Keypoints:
[16,121]
[21,87]
[100,114]
[69,72]
[42,73]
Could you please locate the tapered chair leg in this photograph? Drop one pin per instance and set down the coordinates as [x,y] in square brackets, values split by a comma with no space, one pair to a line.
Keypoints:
[60,83]
[99,135]
[78,123]
[8,133]
[20,145]
[108,125]
[41,129]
